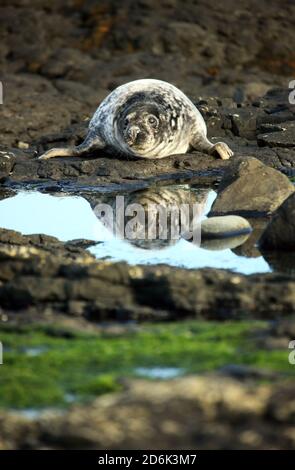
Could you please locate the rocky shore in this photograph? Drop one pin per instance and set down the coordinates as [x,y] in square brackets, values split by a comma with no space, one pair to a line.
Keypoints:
[209,412]
[266,136]
[40,274]
[58,62]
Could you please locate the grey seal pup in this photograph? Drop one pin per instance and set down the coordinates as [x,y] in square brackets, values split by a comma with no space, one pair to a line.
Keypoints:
[145,118]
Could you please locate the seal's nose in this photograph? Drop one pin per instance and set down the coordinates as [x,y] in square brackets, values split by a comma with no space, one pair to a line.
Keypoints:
[133,132]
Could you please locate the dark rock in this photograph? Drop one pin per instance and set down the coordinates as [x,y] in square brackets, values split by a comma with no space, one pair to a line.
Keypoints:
[81,243]
[30,109]
[242,372]
[6,193]
[267,120]
[25,245]
[68,63]
[80,91]
[281,406]
[284,137]
[7,160]
[224,120]
[276,100]
[41,273]
[279,335]
[249,248]
[251,188]
[280,232]
[280,261]
[284,328]
[244,123]
[287,158]
[11,237]
[108,170]
[57,64]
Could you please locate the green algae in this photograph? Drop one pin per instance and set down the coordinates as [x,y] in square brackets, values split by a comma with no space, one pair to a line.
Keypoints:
[43,366]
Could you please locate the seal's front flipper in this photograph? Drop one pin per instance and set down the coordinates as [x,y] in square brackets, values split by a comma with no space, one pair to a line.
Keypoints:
[58,152]
[91,143]
[201,143]
[223,150]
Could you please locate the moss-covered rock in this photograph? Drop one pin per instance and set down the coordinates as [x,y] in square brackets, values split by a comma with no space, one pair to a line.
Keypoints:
[45,365]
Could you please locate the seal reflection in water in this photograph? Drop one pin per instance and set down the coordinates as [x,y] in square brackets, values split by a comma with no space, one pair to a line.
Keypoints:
[154,218]
[147,119]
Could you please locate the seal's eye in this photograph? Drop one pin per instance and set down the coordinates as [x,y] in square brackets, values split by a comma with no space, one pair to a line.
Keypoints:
[153,121]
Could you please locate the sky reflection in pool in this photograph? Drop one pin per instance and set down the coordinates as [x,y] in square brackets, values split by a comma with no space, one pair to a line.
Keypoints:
[71,217]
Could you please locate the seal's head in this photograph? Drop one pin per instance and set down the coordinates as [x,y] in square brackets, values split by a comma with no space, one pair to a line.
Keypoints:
[140,129]
[140,125]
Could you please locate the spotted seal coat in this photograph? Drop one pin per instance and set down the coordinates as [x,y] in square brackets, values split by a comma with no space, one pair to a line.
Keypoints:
[145,118]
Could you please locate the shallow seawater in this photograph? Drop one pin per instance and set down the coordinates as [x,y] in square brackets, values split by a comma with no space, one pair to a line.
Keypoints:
[35,351]
[71,217]
[159,372]
[36,413]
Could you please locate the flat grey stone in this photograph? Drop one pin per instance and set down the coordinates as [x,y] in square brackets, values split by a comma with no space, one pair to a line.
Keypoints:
[228,226]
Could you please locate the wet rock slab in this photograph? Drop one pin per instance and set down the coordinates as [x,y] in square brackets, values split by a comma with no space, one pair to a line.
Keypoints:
[58,64]
[281,135]
[107,173]
[242,128]
[42,274]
